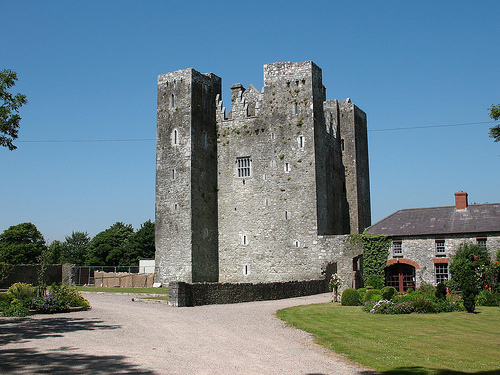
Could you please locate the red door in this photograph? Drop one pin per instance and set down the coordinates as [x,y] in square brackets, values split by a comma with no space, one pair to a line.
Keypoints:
[400,276]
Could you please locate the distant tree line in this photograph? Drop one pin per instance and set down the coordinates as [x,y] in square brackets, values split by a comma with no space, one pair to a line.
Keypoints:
[119,245]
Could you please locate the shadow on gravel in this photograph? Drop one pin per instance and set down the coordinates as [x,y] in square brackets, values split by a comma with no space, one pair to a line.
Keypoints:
[23,329]
[62,361]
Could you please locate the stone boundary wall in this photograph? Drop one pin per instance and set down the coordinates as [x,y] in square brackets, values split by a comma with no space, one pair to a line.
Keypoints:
[28,273]
[183,294]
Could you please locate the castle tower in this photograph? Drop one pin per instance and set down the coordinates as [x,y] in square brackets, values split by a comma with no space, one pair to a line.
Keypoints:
[186,177]
[354,146]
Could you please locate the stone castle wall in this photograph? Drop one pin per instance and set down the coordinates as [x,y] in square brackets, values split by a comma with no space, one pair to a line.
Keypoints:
[261,193]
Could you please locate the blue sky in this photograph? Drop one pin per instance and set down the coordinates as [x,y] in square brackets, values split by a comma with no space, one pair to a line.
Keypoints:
[89,70]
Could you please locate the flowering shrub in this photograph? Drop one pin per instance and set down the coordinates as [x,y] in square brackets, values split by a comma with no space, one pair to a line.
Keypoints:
[388,307]
[50,303]
[70,295]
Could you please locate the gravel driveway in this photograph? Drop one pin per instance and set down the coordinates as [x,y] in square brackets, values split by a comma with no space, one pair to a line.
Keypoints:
[119,336]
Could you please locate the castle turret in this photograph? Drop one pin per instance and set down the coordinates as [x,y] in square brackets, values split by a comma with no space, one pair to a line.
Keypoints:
[186,177]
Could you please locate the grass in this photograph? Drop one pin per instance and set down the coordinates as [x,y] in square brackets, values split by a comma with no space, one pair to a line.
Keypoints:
[417,344]
[122,290]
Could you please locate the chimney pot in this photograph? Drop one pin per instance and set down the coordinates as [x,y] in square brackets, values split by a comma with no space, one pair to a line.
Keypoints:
[461,200]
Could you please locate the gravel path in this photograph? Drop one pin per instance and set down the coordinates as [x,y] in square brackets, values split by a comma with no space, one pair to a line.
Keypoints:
[119,336]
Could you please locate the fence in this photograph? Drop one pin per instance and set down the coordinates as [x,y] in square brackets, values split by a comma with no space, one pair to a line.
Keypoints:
[108,276]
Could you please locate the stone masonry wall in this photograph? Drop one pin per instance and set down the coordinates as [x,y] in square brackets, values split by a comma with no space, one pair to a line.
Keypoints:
[422,250]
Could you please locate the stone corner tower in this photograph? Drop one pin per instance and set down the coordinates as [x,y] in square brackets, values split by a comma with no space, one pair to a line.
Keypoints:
[186,177]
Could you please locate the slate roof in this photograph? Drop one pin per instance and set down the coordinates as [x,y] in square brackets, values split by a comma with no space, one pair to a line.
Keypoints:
[476,219]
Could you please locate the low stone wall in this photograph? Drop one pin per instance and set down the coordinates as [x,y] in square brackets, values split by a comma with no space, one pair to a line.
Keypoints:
[28,273]
[185,294]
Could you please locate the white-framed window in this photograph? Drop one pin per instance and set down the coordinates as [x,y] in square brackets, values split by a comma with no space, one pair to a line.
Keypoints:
[397,248]
[441,271]
[246,269]
[481,241]
[296,243]
[287,167]
[272,164]
[273,136]
[440,247]
[287,215]
[244,166]
[267,201]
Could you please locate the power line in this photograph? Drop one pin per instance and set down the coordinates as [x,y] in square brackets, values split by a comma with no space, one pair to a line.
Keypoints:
[91,140]
[154,139]
[430,126]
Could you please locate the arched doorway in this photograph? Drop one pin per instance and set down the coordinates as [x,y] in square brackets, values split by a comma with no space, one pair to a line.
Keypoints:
[401,276]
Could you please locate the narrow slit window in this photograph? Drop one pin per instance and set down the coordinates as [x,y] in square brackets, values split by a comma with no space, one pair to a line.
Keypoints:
[244,239]
[175,137]
[296,108]
[173,174]
[301,141]
[287,167]
[172,100]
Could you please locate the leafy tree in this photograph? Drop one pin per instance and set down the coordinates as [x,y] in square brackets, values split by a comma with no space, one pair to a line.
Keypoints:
[495,115]
[140,245]
[9,121]
[108,246]
[21,244]
[53,255]
[74,249]
[466,268]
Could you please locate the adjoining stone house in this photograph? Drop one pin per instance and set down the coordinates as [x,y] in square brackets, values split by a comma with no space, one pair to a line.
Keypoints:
[424,239]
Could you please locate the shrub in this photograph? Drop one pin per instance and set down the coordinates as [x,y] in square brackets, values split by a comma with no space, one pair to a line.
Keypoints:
[361,292]
[423,304]
[487,298]
[375,281]
[350,297]
[50,303]
[466,268]
[440,291]
[388,292]
[21,291]
[70,295]
[389,307]
[372,295]
[15,308]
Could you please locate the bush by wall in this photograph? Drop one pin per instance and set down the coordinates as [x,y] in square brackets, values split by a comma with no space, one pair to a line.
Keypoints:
[487,298]
[388,292]
[350,297]
[372,295]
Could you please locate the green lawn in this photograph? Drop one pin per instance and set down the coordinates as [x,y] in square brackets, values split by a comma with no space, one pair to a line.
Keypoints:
[446,343]
[122,290]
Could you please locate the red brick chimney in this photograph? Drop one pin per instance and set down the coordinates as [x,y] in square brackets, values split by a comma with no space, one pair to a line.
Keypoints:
[461,200]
